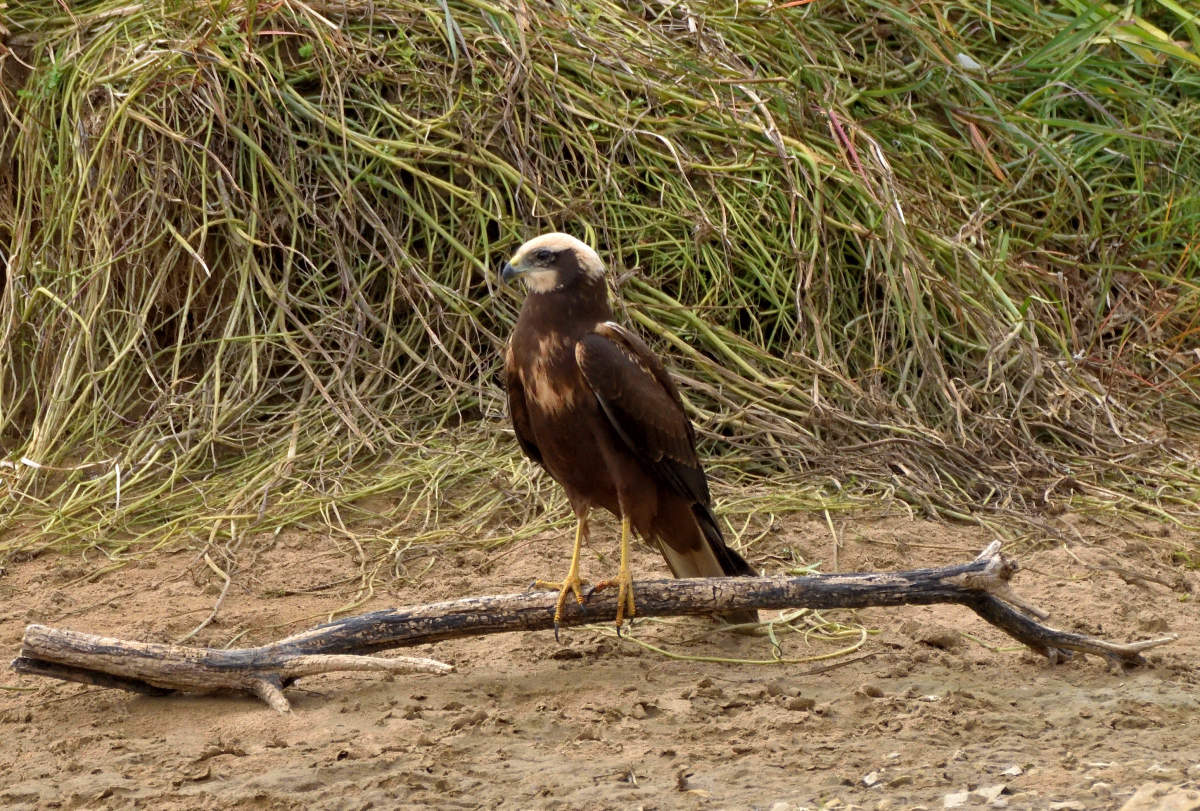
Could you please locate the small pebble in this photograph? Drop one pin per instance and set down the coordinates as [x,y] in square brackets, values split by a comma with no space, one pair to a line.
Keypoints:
[986,795]
[932,634]
[469,719]
[800,703]
[1160,797]
[1161,772]
[957,800]
[782,687]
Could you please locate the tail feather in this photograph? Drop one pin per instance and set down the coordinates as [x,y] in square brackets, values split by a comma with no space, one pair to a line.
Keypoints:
[732,564]
[696,548]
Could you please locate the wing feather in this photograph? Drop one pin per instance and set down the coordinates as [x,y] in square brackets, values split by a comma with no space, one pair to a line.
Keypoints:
[641,401]
[518,408]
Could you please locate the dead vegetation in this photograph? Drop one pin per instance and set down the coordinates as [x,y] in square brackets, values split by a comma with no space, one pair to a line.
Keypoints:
[940,258]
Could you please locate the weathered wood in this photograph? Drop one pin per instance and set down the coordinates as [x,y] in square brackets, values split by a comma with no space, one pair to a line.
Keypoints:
[981,585]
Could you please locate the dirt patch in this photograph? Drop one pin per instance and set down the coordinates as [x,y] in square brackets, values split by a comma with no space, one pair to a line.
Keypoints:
[932,705]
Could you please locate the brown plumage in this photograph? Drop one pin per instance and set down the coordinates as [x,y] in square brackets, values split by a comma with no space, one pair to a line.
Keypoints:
[592,404]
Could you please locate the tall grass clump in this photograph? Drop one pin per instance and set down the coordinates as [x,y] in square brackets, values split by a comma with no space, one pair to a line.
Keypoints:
[944,253]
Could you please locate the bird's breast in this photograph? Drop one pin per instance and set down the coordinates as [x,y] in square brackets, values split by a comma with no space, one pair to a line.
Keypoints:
[551,377]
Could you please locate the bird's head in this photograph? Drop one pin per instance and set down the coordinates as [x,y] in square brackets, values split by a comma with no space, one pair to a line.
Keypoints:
[553,262]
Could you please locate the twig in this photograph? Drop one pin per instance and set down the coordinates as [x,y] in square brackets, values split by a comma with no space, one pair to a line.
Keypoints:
[216,607]
[1131,577]
[836,541]
[1128,575]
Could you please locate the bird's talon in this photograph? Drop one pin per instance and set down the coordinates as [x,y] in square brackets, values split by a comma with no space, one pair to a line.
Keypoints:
[572,584]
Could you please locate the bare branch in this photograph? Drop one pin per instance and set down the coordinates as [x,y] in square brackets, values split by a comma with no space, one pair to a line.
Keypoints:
[981,585]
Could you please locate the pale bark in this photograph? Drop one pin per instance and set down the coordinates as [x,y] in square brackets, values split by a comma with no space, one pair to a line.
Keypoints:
[981,585]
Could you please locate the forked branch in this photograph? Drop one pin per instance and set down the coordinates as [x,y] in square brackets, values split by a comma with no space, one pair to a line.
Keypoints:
[982,585]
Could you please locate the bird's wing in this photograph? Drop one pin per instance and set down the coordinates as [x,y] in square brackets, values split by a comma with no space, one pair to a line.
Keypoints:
[518,409]
[644,407]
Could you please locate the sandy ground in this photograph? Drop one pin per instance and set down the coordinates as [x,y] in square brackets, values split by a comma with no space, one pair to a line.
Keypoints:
[914,715]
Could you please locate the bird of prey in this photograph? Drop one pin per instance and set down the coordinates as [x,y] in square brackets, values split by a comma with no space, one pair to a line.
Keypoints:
[592,405]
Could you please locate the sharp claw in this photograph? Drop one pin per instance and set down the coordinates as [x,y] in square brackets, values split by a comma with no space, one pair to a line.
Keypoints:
[556,639]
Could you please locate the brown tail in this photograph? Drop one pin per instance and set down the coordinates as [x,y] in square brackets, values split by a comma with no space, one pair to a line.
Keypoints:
[732,564]
[693,545]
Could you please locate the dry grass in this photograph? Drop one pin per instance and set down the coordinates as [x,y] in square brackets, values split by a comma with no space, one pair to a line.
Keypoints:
[940,255]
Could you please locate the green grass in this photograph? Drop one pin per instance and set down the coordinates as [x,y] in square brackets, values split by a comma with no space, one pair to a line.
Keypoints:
[939,254]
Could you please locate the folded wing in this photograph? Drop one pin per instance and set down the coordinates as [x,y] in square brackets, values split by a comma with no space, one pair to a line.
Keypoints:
[643,406]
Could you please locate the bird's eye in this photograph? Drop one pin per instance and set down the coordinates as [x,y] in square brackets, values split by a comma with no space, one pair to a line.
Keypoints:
[544,255]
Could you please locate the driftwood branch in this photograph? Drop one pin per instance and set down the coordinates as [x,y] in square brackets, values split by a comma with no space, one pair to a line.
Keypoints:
[981,585]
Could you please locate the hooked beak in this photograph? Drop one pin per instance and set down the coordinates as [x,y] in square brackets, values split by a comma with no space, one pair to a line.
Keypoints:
[508,273]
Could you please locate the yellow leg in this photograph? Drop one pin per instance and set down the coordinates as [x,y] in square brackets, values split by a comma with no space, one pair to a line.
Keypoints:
[572,582]
[624,581]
